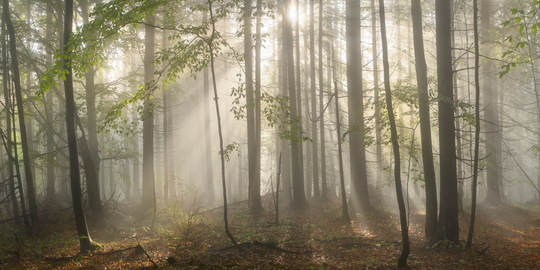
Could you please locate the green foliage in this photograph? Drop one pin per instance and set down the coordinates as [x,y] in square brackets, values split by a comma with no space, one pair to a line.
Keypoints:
[229,149]
[525,19]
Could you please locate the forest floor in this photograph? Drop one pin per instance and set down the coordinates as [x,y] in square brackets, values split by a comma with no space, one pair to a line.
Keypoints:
[506,237]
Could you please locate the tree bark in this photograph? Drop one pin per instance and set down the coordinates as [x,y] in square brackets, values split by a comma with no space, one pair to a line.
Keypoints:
[32,202]
[491,113]
[299,198]
[402,260]
[474,183]
[344,207]
[148,185]
[8,139]
[91,170]
[315,143]
[356,107]
[448,215]
[80,219]
[425,122]
[324,189]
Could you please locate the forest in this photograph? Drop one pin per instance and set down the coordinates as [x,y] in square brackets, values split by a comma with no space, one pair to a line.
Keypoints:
[270,134]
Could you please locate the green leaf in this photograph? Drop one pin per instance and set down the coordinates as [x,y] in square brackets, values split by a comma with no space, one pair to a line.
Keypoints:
[521,30]
[533,28]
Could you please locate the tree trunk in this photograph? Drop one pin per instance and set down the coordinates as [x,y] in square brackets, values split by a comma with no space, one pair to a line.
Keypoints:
[315,165]
[299,198]
[491,113]
[254,196]
[402,261]
[210,193]
[148,185]
[356,107]
[91,170]
[80,219]
[32,202]
[298,85]
[477,124]
[344,208]
[284,144]
[49,105]
[376,112]
[425,122]
[324,191]
[8,142]
[448,216]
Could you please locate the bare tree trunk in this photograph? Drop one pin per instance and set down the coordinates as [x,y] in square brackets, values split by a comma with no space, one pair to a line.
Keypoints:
[324,191]
[448,215]
[299,198]
[49,105]
[477,124]
[315,165]
[491,113]
[210,193]
[71,111]
[402,261]
[357,152]
[32,202]
[425,122]
[148,185]
[344,207]
[221,148]
[91,170]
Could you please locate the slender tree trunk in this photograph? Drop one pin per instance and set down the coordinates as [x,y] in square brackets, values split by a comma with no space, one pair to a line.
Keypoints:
[299,198]
[425,122]
[315,165]
[344,208]
[284,144]
[91,170]
[50,189]
[356,107]
[477,124]
[166,131]
[258,72]
[254,196]
[491,113]
[374,52]
[208,145]
[448,216]
[8,140]
[148,185]
[324,191]
[298,85]
[32,202]
[402,261]
[221,148]
[80,219]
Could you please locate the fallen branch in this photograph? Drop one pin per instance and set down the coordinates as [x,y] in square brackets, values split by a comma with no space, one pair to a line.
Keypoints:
[266,245]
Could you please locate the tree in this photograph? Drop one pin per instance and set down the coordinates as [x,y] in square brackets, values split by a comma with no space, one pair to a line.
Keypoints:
[425,122]
[148,184]
[49,105]
[7,136]
[474,183]
[254,182]
[448,216]
[324,188]
[299,198]
[92,161]
[316,190]
[356,107]
[32,201]
[85,241]
[491,113]
[344,208]
[402,261]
